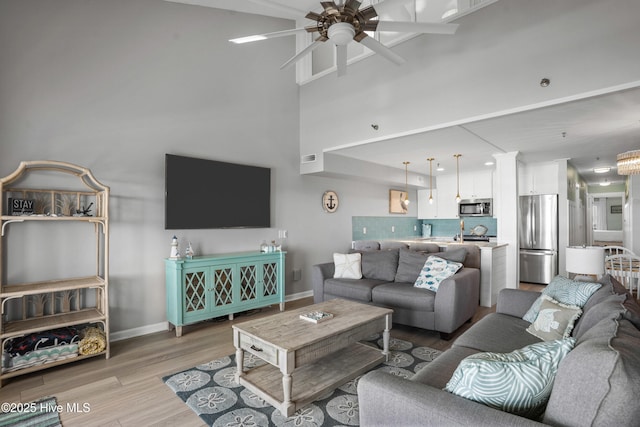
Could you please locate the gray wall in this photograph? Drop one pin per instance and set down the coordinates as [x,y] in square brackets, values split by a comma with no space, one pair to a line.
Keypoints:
[113,86]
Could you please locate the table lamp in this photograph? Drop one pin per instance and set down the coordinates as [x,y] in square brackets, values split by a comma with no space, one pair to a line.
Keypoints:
[586,262]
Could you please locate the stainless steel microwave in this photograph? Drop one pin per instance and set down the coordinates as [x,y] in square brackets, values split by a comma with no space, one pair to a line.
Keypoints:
[475,207]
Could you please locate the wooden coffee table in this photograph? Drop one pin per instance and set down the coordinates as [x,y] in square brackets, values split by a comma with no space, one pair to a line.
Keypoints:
[306,359]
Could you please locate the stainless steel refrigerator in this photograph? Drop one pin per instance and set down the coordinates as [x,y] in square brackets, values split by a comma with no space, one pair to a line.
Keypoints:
[538,238]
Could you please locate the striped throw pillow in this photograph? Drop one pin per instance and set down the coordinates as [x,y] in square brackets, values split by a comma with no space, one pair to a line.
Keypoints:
[566,291]
[519,382]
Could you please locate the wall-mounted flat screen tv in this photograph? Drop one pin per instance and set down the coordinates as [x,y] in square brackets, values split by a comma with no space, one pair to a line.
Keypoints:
[202,193]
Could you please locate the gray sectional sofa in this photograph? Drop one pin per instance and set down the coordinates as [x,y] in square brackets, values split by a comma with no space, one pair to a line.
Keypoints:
[389,271]
[597,383]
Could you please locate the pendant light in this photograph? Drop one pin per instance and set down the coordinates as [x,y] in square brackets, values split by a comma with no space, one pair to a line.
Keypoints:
[629,163]
[405,202]
[457,156]
[430,159]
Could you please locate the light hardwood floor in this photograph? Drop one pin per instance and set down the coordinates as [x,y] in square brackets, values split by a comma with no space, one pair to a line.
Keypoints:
[127,389]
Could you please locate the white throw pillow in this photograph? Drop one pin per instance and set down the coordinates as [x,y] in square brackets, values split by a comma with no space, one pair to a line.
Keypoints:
[435,270]
[348,266]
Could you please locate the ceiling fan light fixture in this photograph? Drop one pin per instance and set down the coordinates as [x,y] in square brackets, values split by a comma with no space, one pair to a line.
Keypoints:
[629,163]
[341,33]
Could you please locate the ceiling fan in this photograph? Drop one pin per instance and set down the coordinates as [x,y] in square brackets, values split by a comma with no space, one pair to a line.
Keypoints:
[343,21]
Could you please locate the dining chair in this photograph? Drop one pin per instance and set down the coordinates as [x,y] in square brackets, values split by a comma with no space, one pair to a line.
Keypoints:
[617,250]
[625,268]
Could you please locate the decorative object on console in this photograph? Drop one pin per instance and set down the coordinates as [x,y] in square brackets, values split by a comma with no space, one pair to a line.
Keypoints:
[457,156]
[629,163]
[316,316]
[585,261]
[330,201]
[175,252]
[188,253]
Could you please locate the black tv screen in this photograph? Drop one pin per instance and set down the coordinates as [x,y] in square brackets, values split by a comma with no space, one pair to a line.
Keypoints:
[203,193]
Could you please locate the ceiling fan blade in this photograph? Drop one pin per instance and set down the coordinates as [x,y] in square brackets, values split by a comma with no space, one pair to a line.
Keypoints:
[330,7]
[298,56]
[290,11]
[351,6]
[257,37]
[341,59]
[417,27]
[381,49]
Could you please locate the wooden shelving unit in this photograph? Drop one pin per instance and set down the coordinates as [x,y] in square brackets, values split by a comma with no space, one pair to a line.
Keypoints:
[33,307]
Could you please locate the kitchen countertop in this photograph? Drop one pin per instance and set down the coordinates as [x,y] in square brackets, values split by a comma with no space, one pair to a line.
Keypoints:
[446,241]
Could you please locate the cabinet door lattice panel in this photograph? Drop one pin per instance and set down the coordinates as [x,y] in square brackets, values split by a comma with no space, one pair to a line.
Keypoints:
[248,282]
[195,295]
[222,286]
[270,278]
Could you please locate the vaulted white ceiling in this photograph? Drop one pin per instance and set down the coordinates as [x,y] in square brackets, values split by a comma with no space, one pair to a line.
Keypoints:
[590,131]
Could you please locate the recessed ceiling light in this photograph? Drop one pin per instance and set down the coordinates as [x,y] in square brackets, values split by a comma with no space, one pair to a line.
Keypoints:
[601,170]
[489,163]
[439,168]
[605,183]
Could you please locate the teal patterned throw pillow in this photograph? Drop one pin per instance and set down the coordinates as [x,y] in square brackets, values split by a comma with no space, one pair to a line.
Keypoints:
[519,382]
[435,270]
[566,291]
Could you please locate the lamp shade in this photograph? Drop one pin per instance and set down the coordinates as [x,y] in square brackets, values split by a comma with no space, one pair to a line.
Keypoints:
[585,260]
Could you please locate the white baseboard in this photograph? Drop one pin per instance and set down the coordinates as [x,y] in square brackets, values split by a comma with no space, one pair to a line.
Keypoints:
[164,326]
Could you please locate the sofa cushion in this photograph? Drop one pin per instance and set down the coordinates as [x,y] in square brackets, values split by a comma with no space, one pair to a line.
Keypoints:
[518,382]
[608,308]
[438,372]
[434,271]
[359,290]
[566,291]
[598,383]
[381,265]
[347,266]
[409,265]
[424,247]
[366,245]
[403,295]
[555,320]
[499,333]
[455,254]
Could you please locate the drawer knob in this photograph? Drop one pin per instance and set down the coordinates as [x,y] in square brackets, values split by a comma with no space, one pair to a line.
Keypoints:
[253,347]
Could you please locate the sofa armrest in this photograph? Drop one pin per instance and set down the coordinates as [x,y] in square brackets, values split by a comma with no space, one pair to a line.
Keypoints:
[515,302]
[388,400]
[319,273]
[457,299]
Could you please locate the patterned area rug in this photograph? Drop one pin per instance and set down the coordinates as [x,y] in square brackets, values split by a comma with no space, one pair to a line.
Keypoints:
[211,392]
[41,413]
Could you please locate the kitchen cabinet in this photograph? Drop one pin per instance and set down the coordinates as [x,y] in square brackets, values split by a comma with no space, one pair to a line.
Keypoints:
[219,285]
[476,185]
[447,190]
[538,178]
[427,210]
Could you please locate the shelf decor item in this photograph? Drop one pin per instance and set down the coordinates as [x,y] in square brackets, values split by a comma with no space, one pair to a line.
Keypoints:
[316,316]
[175,252]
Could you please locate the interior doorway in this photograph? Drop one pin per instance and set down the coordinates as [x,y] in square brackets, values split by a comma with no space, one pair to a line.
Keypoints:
[604,215]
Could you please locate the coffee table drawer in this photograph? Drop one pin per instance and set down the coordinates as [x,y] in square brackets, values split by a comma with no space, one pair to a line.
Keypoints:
[263,350]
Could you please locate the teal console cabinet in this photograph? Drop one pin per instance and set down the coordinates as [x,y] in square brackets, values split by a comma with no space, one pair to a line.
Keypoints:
[220,285]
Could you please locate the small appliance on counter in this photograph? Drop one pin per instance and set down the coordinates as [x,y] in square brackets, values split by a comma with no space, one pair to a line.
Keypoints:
[426,230]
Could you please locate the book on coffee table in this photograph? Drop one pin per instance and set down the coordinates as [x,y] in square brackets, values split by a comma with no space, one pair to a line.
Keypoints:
[316,316]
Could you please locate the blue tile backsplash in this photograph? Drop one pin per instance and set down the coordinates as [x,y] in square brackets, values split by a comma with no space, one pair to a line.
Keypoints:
[389,227]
